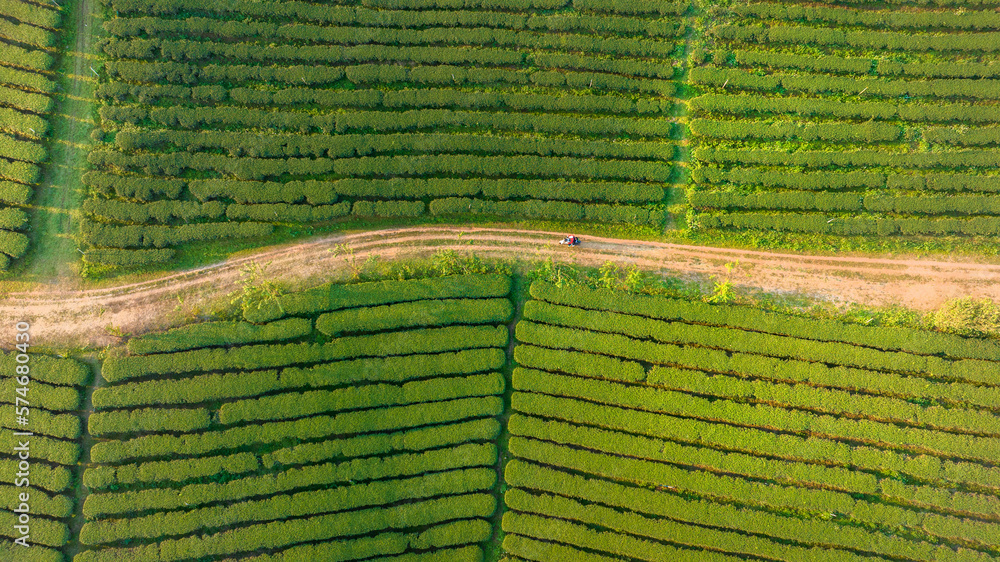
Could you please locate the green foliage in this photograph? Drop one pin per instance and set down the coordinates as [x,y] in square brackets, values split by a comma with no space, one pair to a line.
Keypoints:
[968,316]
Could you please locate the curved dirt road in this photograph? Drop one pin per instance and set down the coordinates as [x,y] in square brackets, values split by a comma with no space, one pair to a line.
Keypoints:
[91,317]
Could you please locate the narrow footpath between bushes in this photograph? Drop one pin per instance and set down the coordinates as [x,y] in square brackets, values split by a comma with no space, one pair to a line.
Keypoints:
[92,317]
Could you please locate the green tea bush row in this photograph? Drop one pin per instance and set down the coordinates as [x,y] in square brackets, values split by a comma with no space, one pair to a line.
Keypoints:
[744,465]
[25,124]
[21,172]
[852,226]
[336,296]
[160,211]
[884,434]
[797,131]
[329,475]
[382,419]
[563,210]
[726,541]
[213,387]
[825,201]
[26,33]
[44,532]
[119,257]
[745,104]
[44,448]
[317,192]
[832,352]
[297,405]
[43,422]
[862,65]
[985,158]
[35,14]
[380,121]
[350,145]
[149,420]
[26,101]
[583,364]
[420,439]
[360,15]
[172,471]
[33,59]
[53,370]
[156,236]
[48,397]
[875,40]
[222,333]
[12,218]
[15,193]
[442,312]
[617,544]
[15,149]
[134,187]
[912,340]
[813,181]
[51,478]
[14,244]
[283,212]
[430,340]
[59,507]
[816,84]
[937,19]
[524,475]
[836,402]
[278,534]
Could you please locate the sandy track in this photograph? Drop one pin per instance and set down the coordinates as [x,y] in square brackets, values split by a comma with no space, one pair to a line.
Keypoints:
[81,318]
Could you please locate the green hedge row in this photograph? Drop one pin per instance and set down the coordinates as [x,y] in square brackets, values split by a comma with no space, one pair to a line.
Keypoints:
[41,503]
[35,14]
[364,16]
[892,41]
[329,475]
[383,419]
[430,340]
[813,181]
[20,172]
[937,19]
[186,73]
[297,405]
[873,132]
[438,312]
[149,420]
[15,193]
[134,187]
[213,334]
[819,84]
[386,544]
[44,532]
[783,527]
[26,33]
[919,468]
[214,387]
[43,422]
[119,257]
[863,65]
[49,449]
[781,346]
[336,296]
[159,211]
[161,472]
[317,192]
[52,478]
[34,59]
[888,338]
[821,400]
[825,201]
[562,210]
[746,104]
[157,236]
[379,121]
[288,213]
[48,397]
[53,370]
[710,460]
[350,145]
[285,533]
[971,158]
[929,441]
[575,363]
[854,226]
[486,429]
[25,151]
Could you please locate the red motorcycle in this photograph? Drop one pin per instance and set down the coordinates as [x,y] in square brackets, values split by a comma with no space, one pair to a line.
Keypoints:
[570,240]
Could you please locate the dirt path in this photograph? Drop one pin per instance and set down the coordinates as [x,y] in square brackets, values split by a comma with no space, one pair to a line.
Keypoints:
[88,318]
